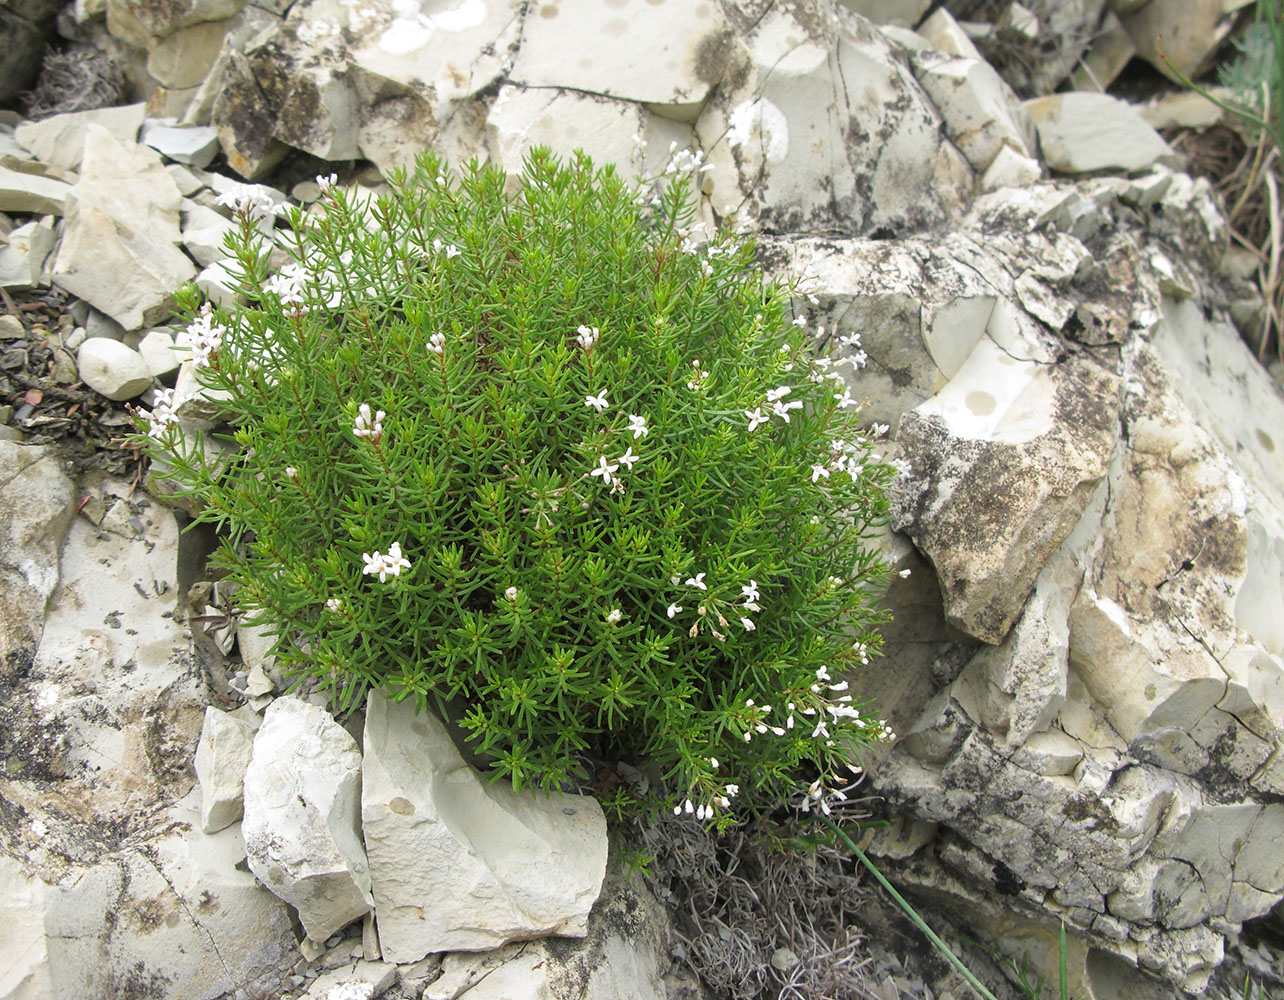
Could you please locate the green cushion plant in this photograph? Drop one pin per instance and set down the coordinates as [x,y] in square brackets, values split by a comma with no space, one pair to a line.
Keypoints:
[527,447]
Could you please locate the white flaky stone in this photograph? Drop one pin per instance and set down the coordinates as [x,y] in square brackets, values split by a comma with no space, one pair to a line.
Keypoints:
[302,816]
[1006,457]
[158,351]
[1009,169]
[203,233]
[566,120]
[826,128]
[112,369]
[982,114]
[122,219]
[667,55]
[60,140]
[457,862]
[193,144]
[222,757]
[31,193]
[23,255]
[624,956]
[1081,132]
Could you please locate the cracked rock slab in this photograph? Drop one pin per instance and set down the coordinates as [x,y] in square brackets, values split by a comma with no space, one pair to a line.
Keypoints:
[459,863]
[302,822]
[1005,458]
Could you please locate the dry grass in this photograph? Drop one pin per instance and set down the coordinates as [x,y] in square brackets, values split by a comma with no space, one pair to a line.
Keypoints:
[76,80]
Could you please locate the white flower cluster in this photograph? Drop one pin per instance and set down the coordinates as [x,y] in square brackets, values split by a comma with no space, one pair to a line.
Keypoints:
[841,458]
[252,200]
[449,249]
[699,377]
[587,337]
[367,426]
[385,564]
[162,416]
[683,161]
[778,406]
[203,336]
[749,594]
[437,343]
[606,469]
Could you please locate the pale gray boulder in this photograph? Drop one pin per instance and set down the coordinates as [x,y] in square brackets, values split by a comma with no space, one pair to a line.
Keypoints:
[222,757]
[122,218]
[460,863]
[112,369]
[60,139]
[302,819]
[1081,132]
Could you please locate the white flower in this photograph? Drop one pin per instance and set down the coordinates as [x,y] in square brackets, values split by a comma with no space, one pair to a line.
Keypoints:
[587,337]
[713,763]
[628,458]
[697,581]
[878,430]
[604,469]
[749,626]
[598,402]
[819,471]
[291,472]
[334,604]
[756,418]
[203,336]
[367,426]
[781,409]
[674,609]
[780,392]
[326,182]
[511,593]
[615,616]
[750,591]
[800,321]
[162,415]
[638,426]
[437,343]
[385,565]
[254,200]
[904,574]
[450,249]
[845,399]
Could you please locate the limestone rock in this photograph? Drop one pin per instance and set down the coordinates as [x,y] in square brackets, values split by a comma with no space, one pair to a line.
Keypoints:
[197,145]
[122,219]
[944,35]
[158,353]
[302,816]
[23,254]
[624,956]
[1005,459]
[222,758]
[826,129]
[138,22]
[1010,169]
[499,866]
[173,915]
[1111,50]
[35,511]
[112,369]
[666,56]
[185,58]
[982,115]
[1080,132]
[565,120]
[204,230]
[60,140]
[22,192]
[1187,31]
[902,13]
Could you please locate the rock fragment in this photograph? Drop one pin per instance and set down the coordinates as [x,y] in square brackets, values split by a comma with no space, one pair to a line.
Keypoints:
[302,821]
[112,369]
[222,757]
[1082,132]
[497,865]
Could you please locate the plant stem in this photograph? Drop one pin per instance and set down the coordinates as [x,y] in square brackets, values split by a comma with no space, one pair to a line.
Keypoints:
[910,911]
